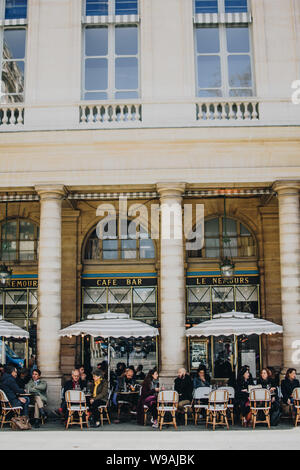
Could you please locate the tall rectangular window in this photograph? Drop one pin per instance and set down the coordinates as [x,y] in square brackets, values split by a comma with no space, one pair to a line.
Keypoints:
[221,6]
[111,7]
[12,50]
[111,68]
[223,61]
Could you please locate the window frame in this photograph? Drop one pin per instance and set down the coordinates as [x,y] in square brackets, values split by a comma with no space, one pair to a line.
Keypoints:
[120,251]
[221,7]
[220,237]
[6,24]
[223,54]
[18,240]
[111,9]
[111,62]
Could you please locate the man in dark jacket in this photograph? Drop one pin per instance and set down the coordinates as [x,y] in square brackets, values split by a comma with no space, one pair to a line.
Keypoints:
[184,386]
[74,384]
[11,389]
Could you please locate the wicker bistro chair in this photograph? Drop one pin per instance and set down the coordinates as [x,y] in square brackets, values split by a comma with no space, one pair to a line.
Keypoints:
[7,409]
[104,409]
[217,408]
[167,402]
[260,401]
[296,397]
[230,405]
[76,403]
[200,393]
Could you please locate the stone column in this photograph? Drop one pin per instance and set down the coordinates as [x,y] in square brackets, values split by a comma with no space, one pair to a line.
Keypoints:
[49,291]
[172,282]
[289,229]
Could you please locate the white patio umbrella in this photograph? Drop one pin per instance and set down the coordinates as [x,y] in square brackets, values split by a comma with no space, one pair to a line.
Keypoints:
[110,325]
[234,324]
[9,330]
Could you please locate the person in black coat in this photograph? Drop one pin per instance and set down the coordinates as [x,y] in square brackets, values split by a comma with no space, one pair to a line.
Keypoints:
[242,395]
[183,384]
[288,385]
[266,381]
[11,389]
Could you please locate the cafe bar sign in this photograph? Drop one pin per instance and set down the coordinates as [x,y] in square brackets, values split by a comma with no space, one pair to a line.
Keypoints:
[238,280]
[118,281]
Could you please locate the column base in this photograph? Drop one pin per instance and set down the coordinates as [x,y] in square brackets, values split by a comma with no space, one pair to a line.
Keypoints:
[53,391]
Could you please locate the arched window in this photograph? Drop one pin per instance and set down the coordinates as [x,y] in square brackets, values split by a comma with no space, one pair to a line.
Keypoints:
[242,243]
[116,248]
[19,240]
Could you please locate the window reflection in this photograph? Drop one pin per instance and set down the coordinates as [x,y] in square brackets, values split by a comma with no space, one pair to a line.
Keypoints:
[103,7]
[13,65]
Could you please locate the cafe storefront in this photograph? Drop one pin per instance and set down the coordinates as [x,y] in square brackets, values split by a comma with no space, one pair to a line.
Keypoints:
[134,294]
[208,295]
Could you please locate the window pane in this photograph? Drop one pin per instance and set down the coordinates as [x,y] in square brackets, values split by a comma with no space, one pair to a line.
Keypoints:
[239,67]
[209,93]
[232,6]
[9,231]
[9,250]
[26,250]
[125,95]
[212,248]
[14,44]
[207,40]
[96,41]
[230,227]
[241,92]
[110,249]
[126,40]
[96,7]
[96,74]
[237,39]
[94,95]
[147,249]
[244,231]
[127,73]
[13,77]
[15,9]
[209,71]
[206,6]
[126,7]
[128,249]
[212,228]
[26,230]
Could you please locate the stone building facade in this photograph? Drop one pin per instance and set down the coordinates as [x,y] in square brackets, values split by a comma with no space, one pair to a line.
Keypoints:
[162,102]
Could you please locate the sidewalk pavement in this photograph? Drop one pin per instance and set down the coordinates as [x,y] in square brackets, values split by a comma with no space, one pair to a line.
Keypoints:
[129,436]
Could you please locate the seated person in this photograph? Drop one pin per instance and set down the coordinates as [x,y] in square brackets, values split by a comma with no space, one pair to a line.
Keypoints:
[150,389]
[288,385]
[242,394]
[74,384]
[139,373]
[126,384]
[266,381]
[202,378]
[11,389]
[38,387]
[100,395]
[23,378]
[184,386]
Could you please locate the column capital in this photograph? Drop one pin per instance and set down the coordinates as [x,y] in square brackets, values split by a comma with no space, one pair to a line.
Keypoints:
[51,191]
[171,189]
[286,185]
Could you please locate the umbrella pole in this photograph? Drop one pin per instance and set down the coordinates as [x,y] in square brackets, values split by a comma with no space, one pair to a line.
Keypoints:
[108,362]
[3,352]
[235,356]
